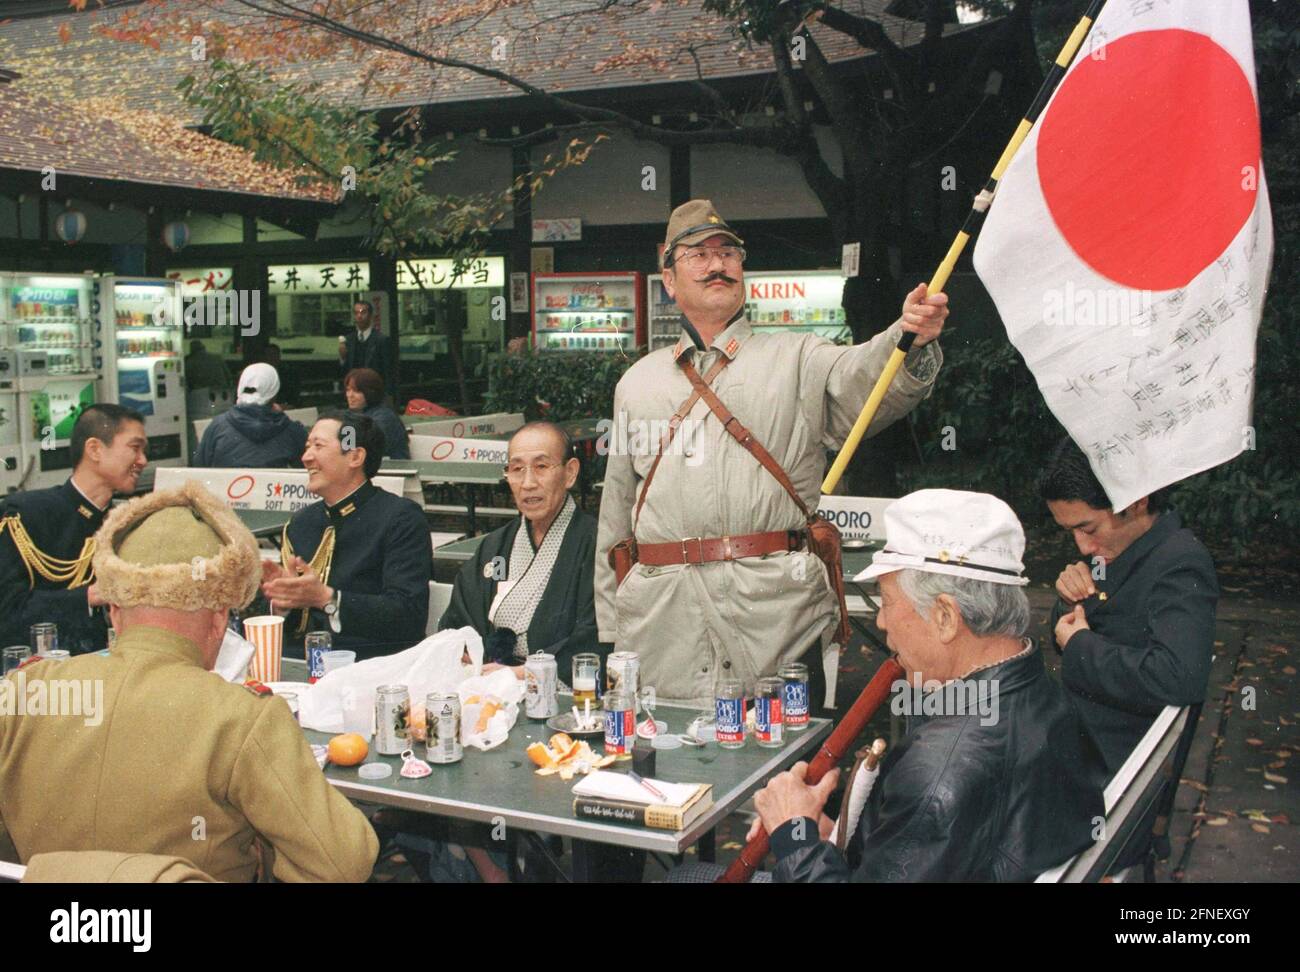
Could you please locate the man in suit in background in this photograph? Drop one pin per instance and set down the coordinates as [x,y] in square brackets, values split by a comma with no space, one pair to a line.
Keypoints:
[366,347]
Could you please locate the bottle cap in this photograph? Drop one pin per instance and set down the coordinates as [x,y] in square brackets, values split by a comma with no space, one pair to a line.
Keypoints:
[375,771]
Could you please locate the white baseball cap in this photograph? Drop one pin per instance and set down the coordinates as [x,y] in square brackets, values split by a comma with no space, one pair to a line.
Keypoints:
[258,385]
[949,531]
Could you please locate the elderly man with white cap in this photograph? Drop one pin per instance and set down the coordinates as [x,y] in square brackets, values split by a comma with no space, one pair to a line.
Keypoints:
[995,778]
[254,434]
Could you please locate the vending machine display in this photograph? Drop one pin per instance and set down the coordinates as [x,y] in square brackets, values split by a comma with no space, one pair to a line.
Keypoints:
[802,301]
[47,373]
[588,312]
[140,329]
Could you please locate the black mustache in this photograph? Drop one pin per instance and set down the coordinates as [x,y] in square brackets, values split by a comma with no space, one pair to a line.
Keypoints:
[719,275]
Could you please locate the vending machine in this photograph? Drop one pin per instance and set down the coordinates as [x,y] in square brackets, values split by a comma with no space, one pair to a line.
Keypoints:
[804,301]
[141,338]
[588,312]
[47,374]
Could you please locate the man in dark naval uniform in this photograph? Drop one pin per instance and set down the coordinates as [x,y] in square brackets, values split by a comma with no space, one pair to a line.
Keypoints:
[528,587]
[1136,622]
[359,562]
[47,535]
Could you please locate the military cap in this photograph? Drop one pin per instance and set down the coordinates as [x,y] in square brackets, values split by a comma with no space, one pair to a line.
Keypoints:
[181,548]
[694,222]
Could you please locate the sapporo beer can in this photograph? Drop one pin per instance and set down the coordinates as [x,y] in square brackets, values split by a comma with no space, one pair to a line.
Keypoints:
[45,638]
[541,680]
[729,707]
[768,721]
[442,728]
[316,644]
[620,724]
[795,696]
[392,709]
[623,672]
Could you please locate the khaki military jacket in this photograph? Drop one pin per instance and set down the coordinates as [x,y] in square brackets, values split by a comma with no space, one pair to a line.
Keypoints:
[800,395]
[170,760]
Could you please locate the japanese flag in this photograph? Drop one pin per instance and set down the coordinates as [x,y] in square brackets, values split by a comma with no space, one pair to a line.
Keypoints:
[1129,243]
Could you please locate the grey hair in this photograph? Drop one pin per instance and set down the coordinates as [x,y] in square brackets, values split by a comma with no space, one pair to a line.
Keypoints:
[986,607]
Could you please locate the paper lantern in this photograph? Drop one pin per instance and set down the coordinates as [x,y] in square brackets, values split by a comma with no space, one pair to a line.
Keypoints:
[176,236]
[70,225]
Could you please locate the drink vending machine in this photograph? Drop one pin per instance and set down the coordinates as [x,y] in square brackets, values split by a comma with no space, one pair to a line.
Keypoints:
[141,340]
[47,373]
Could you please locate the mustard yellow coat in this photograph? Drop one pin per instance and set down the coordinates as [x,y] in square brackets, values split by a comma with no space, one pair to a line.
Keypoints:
[173,760]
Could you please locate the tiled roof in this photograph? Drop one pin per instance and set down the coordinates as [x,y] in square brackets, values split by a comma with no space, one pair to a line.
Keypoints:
[617,49]
[103,139]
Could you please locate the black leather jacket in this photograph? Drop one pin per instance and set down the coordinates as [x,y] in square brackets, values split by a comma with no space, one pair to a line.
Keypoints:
[961,801]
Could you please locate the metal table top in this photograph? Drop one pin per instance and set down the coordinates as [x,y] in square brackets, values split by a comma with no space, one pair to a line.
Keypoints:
[500,786]
[473,473]
[264,523]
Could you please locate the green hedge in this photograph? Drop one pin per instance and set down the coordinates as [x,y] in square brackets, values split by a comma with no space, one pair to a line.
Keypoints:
[555,386]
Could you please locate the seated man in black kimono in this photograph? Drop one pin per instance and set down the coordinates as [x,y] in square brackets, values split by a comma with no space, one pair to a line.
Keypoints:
[46,535]
[529,586]
[359,562]
[1136,621]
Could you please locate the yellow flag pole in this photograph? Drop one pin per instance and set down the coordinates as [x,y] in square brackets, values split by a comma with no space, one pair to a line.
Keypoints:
[973,220]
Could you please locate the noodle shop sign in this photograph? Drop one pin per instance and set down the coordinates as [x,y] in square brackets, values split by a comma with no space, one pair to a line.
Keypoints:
[344,277]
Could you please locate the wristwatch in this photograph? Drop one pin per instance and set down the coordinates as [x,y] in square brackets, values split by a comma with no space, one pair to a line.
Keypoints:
[332,611]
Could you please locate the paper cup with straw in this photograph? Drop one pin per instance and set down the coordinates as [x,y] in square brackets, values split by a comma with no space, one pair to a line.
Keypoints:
[267,636]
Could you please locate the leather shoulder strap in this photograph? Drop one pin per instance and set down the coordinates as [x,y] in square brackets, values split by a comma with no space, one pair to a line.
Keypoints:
[743,436]
[679,416]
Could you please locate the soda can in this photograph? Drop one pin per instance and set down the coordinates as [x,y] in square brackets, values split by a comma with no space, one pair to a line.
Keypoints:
[442,728]
[541,678]
[768,721]
[729,708]
[316,644]
[45,638]
[392,709]
[623,672]
[620,724]
[794,700]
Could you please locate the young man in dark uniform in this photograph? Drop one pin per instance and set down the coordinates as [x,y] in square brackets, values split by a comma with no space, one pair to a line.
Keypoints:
[47,535]
[358,563]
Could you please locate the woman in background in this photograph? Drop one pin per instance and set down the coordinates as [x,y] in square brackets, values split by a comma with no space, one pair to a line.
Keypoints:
[364,389]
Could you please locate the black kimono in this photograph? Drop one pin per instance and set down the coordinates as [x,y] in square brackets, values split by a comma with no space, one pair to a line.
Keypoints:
[382,565]
[564,623]
[1151,641]
[59,521]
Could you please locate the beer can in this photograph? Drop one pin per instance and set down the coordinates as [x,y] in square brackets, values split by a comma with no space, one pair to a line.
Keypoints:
[768,721]
[622,672]
[442,728]
[45,638]
[392,707]
[794,698]
[729,708]
[541,679]
[316,644]
[620,724]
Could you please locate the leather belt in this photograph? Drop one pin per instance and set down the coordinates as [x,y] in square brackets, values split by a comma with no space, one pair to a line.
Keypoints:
[695,550]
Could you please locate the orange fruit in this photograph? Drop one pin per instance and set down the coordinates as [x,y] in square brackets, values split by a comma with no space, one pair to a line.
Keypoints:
[347,749]
[540,755]
[561,742]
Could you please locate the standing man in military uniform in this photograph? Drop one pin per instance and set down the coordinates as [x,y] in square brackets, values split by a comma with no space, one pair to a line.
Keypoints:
[165,757]
[724,584]
[46,535]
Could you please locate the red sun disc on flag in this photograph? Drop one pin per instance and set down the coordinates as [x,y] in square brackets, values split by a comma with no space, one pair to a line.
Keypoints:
[1149,157]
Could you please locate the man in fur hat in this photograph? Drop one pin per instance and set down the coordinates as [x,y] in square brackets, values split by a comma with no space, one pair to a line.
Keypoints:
[146,750]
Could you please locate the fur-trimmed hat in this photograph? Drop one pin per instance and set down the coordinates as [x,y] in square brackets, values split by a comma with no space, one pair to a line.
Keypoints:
[182,549]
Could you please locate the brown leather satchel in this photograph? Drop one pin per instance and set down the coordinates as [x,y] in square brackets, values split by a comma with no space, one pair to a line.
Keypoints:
[823,535]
